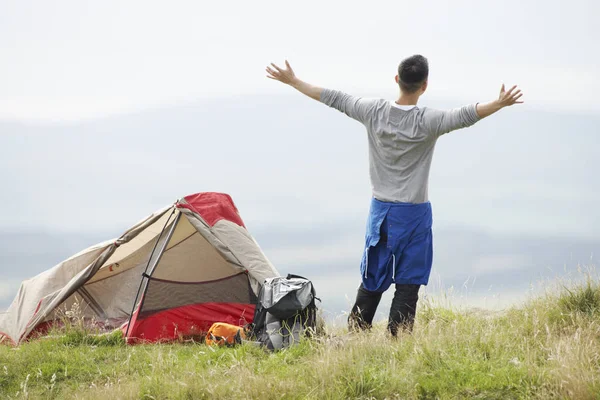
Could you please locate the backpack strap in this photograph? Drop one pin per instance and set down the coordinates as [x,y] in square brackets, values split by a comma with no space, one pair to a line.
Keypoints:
[237,339]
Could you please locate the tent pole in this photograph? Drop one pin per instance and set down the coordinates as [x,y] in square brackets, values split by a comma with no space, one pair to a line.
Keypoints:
[155,264]
[146,270]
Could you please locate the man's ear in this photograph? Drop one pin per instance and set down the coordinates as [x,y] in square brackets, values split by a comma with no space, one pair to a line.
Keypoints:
[424,87]
[397,79]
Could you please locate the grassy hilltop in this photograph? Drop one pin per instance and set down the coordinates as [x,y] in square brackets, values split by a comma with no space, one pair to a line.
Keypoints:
[548,348]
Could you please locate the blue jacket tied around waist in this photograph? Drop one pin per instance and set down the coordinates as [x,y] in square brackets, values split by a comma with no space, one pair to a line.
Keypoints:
[398,245]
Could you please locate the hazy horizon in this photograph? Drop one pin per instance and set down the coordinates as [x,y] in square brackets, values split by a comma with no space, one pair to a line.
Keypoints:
[500,225]
[109,111]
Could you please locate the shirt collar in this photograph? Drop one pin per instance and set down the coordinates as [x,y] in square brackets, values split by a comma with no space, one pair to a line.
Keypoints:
[402,107]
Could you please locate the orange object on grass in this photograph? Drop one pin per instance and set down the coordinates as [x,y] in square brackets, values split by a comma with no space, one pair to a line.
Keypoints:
[223,334]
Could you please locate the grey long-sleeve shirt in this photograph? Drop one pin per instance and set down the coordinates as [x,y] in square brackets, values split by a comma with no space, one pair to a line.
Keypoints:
[401,142]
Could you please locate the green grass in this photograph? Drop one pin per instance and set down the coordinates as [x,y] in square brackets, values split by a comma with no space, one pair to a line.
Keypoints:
[548,348]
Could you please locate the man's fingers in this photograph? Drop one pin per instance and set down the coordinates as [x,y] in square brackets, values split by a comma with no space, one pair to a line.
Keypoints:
[276,67]
[511,96]
[509,93]
[274,73]
[287,64]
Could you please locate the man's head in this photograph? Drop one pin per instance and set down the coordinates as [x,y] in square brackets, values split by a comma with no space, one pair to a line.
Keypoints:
[412,74]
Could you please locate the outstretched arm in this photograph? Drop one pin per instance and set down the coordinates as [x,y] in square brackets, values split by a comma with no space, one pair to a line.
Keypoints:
[441,122]
[354,107]
[287,76]
[505,99]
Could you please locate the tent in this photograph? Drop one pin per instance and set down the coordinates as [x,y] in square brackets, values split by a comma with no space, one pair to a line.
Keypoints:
[171,275]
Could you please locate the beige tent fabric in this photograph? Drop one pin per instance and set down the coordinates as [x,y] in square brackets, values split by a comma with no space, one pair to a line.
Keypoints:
[241,248]
[183,231]
[109,274]
[38,297]
[247,251]
[206,231]
[23,307]
[116,294]
[116,283]
[194,260]
[127,255]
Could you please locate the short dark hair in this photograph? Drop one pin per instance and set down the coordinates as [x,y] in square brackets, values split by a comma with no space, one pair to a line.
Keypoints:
[413,72]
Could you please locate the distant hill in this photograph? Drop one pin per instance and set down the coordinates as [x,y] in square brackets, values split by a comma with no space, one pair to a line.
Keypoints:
[290,160]
[476,264]
[514,197]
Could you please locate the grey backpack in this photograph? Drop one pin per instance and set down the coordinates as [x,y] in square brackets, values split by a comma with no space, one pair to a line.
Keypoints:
[285,311]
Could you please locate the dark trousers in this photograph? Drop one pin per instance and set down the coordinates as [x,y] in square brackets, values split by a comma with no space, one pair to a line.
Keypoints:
[402,311]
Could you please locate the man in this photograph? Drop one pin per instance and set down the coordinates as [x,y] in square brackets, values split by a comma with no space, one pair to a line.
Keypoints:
[402,138]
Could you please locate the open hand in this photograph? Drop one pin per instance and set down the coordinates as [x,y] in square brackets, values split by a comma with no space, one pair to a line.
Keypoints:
[285,75]
[509,98]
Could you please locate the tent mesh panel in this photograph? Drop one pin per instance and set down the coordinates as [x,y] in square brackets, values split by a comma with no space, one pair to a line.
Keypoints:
[163,295]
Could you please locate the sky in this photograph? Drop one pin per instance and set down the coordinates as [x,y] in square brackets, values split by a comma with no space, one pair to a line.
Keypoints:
[110,110]
[68,60]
